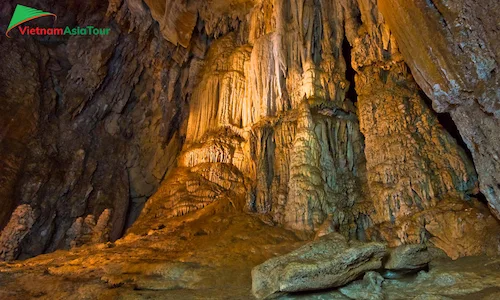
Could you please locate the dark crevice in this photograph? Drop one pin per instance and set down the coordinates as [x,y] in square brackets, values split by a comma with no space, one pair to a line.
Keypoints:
[349,72]
[481,197]
[449,125]
[317,35]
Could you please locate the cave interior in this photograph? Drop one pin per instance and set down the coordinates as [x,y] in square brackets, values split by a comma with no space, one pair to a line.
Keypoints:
[242,149]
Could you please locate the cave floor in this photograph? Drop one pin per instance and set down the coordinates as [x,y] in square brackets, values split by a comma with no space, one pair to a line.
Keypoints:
[211,257]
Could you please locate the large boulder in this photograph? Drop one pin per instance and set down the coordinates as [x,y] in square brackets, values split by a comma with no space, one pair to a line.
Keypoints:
[328,262]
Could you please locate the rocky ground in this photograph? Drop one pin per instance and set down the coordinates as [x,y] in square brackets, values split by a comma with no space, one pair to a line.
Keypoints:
[207,256]
[302,110]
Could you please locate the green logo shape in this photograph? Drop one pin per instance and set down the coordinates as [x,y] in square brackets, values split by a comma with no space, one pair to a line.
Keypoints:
[24,14]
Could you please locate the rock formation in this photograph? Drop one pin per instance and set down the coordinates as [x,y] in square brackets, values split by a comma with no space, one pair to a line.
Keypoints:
[275,127]
[327,263]
[312,115]
[408,257]
[18,227]
[370,288]
[453,50]
[87,123]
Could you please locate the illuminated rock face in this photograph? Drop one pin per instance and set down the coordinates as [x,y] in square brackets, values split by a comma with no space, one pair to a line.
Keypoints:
[303,112]
[269,110]
[271,129]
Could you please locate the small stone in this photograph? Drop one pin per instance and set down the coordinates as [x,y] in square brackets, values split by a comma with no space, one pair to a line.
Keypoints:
[408,257]
[370,288]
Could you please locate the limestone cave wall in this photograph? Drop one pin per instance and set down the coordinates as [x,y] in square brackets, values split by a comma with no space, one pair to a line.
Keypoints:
[89,126]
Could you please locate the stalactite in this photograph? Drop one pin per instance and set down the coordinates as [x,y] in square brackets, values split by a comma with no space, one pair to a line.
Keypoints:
[281,110]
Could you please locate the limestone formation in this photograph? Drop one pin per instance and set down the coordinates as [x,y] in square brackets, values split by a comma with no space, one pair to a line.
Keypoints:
[328,262]
[304,112]
[283,132]
[451,226]
[200,139]
[88,231]
[16,230]
[453,51]
[300,142]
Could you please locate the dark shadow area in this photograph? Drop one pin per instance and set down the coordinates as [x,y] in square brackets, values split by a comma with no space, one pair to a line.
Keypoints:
[482,198]
[349,72]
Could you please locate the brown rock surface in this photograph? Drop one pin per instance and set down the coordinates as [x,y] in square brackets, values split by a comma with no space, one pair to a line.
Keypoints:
[13,234]
[452,49]
[194,256]
[458,228]
[19,115]
[86,123]
[210,257]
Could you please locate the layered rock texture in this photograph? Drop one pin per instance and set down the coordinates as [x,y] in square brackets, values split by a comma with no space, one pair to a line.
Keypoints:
[453,50]
[306,112]
[89,125]
[312,114]
[326,263]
